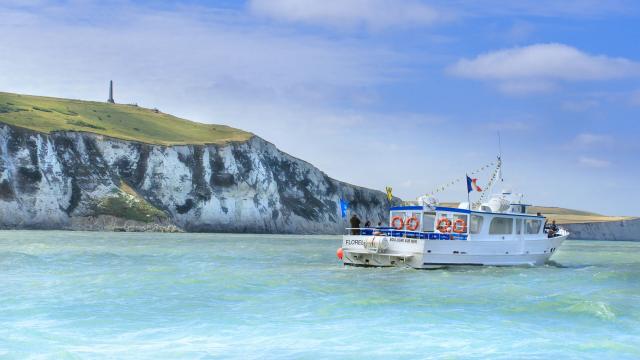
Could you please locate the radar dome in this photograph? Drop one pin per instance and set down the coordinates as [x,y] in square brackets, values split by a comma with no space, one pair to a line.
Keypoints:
[498,204]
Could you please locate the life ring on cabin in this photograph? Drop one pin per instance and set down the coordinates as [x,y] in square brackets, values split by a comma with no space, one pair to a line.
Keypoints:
[395,220]
[460,226]
[444,225]
[412,223]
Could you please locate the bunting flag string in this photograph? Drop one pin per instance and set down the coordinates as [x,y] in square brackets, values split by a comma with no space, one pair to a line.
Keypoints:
[455,181]
[493,178]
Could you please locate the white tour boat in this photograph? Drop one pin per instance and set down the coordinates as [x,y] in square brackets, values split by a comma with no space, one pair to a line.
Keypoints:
[498,232]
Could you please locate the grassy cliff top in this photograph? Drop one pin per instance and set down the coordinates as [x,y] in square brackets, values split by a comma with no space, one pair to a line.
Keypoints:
[565,216]
[127,122]
[570,216]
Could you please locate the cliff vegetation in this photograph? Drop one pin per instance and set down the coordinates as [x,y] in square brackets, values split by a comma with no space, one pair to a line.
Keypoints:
[127,122]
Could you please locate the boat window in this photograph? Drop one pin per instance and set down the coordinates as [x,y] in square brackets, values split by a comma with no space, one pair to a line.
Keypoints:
[464,218]
[428,221]
[520,209]
[417,215]
[446,228]
[476,224]
[533,226]
[518,226]
[401,214]
[501,226]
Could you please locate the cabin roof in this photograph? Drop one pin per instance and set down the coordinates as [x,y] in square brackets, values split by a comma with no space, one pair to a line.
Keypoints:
[464,211]
[400,208]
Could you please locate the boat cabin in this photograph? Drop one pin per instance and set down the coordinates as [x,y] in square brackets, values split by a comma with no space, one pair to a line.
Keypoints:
[446,223]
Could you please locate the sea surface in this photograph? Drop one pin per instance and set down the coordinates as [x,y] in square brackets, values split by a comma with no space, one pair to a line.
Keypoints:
[77,295]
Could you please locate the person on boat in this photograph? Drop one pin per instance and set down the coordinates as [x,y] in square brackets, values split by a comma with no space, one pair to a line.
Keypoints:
[553,229]
[377,231]
[367,224]
[355,225]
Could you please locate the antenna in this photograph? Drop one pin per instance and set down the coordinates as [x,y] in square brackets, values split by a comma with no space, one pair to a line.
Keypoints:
[500,157]
[499,145]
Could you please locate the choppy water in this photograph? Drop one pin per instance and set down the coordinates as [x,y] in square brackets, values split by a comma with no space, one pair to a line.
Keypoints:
[116,295]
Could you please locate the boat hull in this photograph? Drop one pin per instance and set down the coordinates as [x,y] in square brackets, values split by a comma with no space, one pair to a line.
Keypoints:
[429,254]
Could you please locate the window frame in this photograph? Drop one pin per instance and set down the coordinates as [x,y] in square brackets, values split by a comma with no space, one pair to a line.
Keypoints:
[480,224]
[500,218]
[531,221]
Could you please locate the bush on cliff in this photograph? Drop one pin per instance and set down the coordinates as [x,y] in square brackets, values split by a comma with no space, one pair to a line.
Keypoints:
[126,204]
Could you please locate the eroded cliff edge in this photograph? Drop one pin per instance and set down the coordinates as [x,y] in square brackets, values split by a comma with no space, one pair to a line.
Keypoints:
[62,179]
[623,230]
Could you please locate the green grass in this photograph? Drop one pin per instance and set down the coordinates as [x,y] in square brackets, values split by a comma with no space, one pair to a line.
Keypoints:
[558,211]
[127,122]
[562,215]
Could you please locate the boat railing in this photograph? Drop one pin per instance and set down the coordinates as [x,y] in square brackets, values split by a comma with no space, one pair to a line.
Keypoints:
[393,232]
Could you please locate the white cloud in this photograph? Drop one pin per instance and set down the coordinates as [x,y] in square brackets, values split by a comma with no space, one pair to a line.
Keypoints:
[404,13]
[544,8]
[593,162]
[189,51]
[539,67]
[588,139]
[349,13]
[580,105]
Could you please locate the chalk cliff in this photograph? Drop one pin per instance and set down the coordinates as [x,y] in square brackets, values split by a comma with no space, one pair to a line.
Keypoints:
[624,230]
[73,180]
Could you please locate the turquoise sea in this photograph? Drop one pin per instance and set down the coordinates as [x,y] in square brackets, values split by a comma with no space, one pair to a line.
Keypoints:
[75,295]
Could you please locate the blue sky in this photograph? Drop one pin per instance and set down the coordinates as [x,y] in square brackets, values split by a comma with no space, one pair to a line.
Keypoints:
[374,92]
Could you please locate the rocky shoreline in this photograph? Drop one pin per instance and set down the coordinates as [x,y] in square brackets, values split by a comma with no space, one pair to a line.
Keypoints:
[116,224]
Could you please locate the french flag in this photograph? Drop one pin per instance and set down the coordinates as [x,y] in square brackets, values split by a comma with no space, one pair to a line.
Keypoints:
[471,185]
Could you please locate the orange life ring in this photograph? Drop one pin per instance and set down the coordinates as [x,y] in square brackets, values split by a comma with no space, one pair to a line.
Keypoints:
[460,226]
[395,220]
[412,223]
[444,225]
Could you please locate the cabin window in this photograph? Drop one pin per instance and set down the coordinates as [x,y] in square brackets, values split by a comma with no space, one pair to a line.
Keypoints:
[428,221]
[401,214]
[476,224]
[410,215]
[519,209]
[446,216]
[415,215]
[533,226]
[501,226]
[464,218]
[518,226]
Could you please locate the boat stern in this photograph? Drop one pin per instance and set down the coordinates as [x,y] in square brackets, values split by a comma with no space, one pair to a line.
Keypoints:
[380,251]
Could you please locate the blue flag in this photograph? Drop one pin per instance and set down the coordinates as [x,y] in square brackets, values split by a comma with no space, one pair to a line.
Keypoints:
[344,205]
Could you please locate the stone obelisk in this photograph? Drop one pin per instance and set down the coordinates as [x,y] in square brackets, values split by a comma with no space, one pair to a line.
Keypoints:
[111,93]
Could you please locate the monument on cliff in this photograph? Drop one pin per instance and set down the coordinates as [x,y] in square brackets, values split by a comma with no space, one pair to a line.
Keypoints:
[111,93]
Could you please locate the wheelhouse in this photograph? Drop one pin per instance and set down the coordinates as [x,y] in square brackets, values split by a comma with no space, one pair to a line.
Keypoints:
[447,223]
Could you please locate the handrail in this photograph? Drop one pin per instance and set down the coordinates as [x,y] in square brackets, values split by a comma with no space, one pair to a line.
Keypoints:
[391,228]
[392,232]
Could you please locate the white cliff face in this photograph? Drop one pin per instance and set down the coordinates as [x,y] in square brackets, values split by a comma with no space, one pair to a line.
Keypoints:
[625,230]
[48,180]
